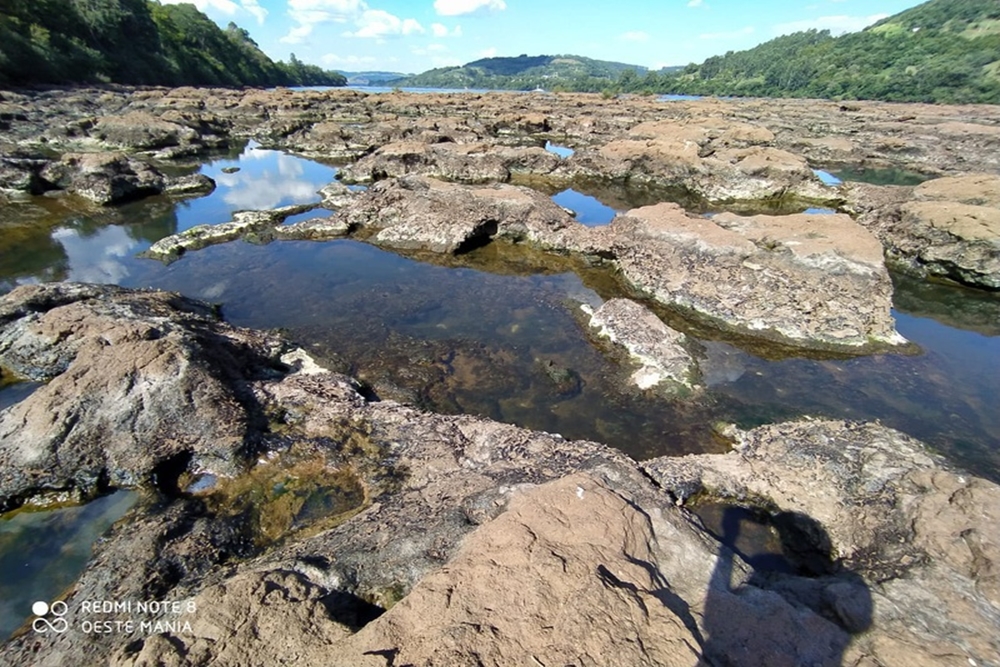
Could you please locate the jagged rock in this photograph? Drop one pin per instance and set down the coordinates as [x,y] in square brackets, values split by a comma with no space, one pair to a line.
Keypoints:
[809,280]
[658,348]
[134,380]
[104,178]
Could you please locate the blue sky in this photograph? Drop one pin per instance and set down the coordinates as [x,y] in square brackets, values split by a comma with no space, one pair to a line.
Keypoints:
[416,35]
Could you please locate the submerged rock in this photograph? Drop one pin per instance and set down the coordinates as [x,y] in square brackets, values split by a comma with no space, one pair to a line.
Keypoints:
[658,348]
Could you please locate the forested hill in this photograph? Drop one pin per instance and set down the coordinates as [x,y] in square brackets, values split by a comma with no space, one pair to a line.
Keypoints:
[525,73]
[135,42]
[945,51]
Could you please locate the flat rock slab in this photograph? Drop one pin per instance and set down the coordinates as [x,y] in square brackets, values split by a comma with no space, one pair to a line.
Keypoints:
[948,227]
[128,388]
[656,347]
[810,280]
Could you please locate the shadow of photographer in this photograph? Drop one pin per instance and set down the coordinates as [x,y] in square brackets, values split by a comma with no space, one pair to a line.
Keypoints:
[795,606]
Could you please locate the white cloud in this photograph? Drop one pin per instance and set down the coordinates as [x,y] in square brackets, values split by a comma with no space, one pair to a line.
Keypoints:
[376,23]
[731,34]
[227,7]
[635,36]
[459,7]
[253,7]
[297,34]
[837,25]
[488,53]
[224,6]
[331,59]
[441,30]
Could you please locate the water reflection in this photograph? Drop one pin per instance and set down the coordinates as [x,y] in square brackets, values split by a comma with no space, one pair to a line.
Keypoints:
[561,151]
[589,210]
[43,553]
[265,179]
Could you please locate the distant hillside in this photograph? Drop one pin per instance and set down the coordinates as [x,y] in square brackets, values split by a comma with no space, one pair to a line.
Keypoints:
[525,73]
[371,78]
[945,51]
[135,42]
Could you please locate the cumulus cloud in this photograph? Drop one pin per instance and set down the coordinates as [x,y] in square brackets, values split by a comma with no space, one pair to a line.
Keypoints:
[376,23]
[837,25]
[459,7]
[441,30]
[371,23]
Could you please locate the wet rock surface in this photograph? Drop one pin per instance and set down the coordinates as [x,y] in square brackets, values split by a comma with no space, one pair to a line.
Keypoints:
[470,540]
[659,349]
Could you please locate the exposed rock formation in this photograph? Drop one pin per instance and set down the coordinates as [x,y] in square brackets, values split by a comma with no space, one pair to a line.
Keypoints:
[478,541]
[949,227]
[812,280]
[134,381]
[893,513]
[658,348]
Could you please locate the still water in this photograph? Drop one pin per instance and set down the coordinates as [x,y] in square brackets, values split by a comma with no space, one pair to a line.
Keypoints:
[499,332]
[43,553]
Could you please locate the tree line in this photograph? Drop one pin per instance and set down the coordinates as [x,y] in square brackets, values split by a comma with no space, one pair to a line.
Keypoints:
[137,42]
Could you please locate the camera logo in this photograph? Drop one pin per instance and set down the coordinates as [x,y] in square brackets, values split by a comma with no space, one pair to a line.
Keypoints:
[57,610]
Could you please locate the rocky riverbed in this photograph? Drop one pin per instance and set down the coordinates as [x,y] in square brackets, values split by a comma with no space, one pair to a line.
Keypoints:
[294,517]
[428,539]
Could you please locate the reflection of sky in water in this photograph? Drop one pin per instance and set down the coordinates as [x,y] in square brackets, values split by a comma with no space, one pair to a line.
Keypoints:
[589,211]
[97,258]
[827,177]
[266,179]
[42,553]
[561,151]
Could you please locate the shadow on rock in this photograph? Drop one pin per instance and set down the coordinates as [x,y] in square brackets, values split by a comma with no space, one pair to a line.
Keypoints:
[745,622]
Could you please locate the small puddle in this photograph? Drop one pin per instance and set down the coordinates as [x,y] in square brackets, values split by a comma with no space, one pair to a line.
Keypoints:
[43,553]
[827,178]
[819,211]
[561,151]
[881,176]
[589,211]
[12,394]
